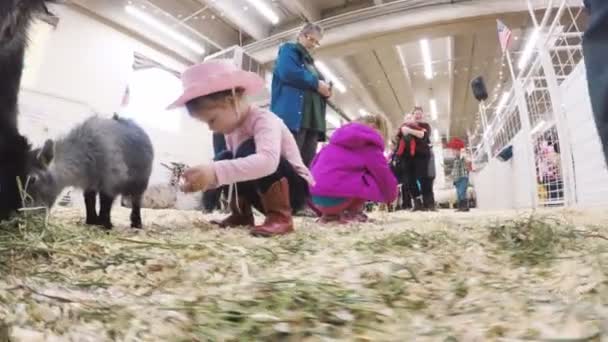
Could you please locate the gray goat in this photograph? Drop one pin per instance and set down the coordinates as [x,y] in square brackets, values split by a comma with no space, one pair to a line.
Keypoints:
[109,157]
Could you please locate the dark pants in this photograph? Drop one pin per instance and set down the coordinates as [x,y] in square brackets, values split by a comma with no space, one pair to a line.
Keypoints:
[219,143]
[211,198]
[251,190]
[307,141]
[461,184]
[406,198]
[595,50]
[416,171]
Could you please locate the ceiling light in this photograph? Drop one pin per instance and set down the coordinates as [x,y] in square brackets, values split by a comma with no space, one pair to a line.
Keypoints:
[426,57]
[150,20]
[265,10]
[434,113]
[529,49]
[331,76]
[363,112]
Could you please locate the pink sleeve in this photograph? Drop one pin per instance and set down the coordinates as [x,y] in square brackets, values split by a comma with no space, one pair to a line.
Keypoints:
[267,137]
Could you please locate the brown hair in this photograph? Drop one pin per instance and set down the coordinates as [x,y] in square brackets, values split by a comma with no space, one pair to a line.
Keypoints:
[207,100]
[378,121]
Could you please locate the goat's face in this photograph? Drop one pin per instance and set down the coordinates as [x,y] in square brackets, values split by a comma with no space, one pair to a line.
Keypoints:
[15,16]
[40,186]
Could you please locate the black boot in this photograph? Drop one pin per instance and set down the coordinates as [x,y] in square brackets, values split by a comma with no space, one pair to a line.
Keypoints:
[465,206]
[429,202]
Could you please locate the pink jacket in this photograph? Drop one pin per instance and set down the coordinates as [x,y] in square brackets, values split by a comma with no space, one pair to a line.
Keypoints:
[272,140]
[353,165]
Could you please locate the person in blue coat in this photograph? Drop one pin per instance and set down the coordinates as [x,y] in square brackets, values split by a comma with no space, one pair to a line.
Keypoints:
[595,50]
[299,91]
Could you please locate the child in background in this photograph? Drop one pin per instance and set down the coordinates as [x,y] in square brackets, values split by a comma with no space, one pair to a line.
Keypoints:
[460,173]
[352,170]
[263,167]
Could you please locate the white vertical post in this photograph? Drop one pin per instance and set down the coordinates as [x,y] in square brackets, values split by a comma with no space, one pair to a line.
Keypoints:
[560,122]
[526,128]
[486,131]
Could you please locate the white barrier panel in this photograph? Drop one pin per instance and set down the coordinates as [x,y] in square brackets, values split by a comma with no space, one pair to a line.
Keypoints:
[505,185]
[590,171]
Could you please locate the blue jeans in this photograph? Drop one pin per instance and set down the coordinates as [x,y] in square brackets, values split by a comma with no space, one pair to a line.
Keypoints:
[595,50]
[462,184]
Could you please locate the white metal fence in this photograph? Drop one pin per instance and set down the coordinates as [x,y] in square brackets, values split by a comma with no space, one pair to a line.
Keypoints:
[534,107]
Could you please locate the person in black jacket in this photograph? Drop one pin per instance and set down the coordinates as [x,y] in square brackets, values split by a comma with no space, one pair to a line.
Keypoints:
[425,162]
[595,50]
[411,158]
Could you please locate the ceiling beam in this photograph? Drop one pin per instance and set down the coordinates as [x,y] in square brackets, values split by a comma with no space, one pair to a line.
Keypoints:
[378,2]
[351,27]
[356,85]
[235,14]
[304,8]
[406,72]
[388,81]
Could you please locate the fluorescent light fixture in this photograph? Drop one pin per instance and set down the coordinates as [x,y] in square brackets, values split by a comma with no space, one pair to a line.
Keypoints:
[426,57]
[530,44]
[434,113]
[503,102]
[265,10]
[538,127]
[363,112]
[436,136]
[331,76]
[160,26]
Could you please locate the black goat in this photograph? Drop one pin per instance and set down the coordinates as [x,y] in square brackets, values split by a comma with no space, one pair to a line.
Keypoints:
[15,17]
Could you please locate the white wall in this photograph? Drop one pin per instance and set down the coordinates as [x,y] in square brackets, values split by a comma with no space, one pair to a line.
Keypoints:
[84,66]
[505,185]
[591,173]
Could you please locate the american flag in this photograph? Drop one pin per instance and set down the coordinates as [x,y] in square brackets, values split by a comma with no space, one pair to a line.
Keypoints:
[504,35]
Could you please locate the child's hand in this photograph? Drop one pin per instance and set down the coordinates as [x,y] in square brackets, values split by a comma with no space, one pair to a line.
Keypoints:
[199,178]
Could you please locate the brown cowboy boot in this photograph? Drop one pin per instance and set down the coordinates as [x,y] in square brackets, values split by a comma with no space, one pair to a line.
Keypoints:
[278,211]
[240,216]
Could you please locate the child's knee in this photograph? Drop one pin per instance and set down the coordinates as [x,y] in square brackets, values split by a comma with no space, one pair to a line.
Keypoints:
[245,149]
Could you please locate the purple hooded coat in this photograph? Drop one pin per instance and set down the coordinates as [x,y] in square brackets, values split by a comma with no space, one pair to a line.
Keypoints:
[353,165]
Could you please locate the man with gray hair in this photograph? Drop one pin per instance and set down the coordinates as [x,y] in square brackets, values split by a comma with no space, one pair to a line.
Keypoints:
[299,91]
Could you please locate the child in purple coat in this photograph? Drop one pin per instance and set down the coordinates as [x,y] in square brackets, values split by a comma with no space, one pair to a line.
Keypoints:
[351,170]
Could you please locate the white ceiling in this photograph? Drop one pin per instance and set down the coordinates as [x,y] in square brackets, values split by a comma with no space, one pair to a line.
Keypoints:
[371,67]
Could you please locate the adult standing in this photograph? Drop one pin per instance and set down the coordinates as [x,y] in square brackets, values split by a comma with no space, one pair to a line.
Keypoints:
[411,159]
[300,93]
[425,162]
[595,50]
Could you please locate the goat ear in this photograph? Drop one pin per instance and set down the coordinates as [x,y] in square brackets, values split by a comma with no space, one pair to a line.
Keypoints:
[47,153]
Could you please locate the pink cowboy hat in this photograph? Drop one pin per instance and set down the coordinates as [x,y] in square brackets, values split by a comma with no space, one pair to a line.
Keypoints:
[215,76]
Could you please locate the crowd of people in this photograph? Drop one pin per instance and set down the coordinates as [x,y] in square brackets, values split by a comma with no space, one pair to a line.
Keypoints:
[269,160]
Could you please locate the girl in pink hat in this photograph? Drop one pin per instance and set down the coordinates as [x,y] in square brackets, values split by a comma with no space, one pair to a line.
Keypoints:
[263,167]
